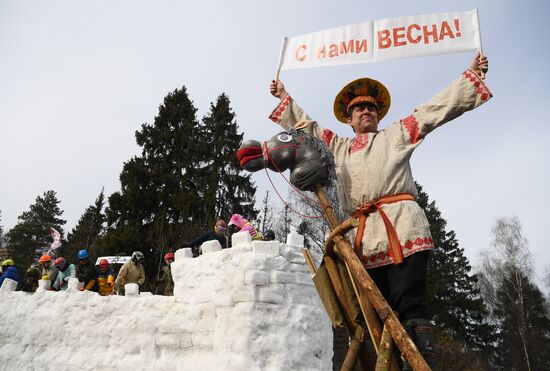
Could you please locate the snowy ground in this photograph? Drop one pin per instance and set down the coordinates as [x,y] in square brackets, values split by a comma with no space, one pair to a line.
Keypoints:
[252,307]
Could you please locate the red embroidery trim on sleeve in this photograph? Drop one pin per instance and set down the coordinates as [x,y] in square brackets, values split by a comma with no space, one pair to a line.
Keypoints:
[327,136]
[411,125]
[482,89]
[359,142]
[280,109]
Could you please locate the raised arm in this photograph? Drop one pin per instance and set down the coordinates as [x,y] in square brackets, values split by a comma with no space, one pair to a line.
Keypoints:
[288,114]
[462,95]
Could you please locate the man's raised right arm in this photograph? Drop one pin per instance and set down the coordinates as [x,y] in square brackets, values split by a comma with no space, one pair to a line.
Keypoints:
[289,115]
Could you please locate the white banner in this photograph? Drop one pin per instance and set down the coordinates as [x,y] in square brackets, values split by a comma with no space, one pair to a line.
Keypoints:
[391,38]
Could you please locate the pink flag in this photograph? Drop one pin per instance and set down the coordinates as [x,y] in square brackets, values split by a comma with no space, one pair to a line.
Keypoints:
[56,239]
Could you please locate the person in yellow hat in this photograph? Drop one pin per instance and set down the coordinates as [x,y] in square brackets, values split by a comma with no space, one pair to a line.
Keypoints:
[375,182]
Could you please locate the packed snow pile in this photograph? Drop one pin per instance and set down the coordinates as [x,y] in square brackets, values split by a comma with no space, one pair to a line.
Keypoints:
[251,307]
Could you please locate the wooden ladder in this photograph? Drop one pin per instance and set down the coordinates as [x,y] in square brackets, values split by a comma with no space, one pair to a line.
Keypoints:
[373,306]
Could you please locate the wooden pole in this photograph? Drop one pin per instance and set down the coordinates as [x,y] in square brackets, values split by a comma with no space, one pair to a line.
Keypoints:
[335,279]
[340,230]
[482,72]
[281,56]
[385,353]
[309,261]
[351,326]
[367,287]
[357,339]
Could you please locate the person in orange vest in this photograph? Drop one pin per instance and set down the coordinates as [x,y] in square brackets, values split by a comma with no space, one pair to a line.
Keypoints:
[375,182]
[105,278]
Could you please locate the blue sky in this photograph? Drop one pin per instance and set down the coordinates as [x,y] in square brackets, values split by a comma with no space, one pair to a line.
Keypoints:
[78,78]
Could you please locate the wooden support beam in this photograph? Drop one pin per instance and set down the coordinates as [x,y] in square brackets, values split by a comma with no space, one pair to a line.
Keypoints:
[340,230]
[367,288]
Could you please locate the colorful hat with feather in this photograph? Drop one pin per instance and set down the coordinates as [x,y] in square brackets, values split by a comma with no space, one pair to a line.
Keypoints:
[359,91]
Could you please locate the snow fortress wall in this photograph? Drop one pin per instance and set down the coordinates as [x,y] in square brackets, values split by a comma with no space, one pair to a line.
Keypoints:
[251,307]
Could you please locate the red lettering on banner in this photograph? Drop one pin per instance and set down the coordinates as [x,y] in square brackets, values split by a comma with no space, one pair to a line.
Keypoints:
[321,51]
[333,51]
[446,31]
[301,53]
[414,33]
[409,34]
[346,48]
[432,33]
[399,33]
[384,40]
[360,46]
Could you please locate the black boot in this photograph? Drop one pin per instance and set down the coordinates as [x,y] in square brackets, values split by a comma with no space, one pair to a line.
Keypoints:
[420,331]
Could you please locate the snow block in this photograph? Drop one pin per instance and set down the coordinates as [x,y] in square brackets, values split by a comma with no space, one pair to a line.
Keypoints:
[238,309]
[272,295]
[255,277]
[167,341]
[131,289]
[241,238]
[8,285]
[295,239]
[282,277]
[183,253]
[270,248]
[43,285]
[252,261]
[293,254]
[74,284]
[209,247]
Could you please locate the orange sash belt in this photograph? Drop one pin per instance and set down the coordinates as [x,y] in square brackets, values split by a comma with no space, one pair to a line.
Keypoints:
[363,212]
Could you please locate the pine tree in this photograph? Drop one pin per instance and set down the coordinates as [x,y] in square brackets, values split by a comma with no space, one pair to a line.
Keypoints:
[453,295]
[89,228]
[186,176]
[28,238]
[162,191]
[229,190]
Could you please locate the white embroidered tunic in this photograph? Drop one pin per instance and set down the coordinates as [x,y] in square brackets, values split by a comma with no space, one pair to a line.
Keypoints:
[374,165]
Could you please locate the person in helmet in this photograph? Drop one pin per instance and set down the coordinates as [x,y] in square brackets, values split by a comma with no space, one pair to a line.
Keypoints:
[85,269]
[49,270]
[105,278]
[8,271]
[66,272]
[269,235]
[30,284]
[217,234]
[165,281]
[131,272]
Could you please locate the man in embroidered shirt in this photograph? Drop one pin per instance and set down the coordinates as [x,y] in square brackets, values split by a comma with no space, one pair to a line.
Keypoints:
[375,182]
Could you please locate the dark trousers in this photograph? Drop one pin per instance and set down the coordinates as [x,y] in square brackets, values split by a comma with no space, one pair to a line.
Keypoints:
[404,285]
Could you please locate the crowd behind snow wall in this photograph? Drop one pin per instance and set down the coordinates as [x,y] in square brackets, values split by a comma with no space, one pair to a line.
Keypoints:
[251,307]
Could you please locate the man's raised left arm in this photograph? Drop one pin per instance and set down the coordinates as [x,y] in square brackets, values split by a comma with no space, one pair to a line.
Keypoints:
[462,95]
